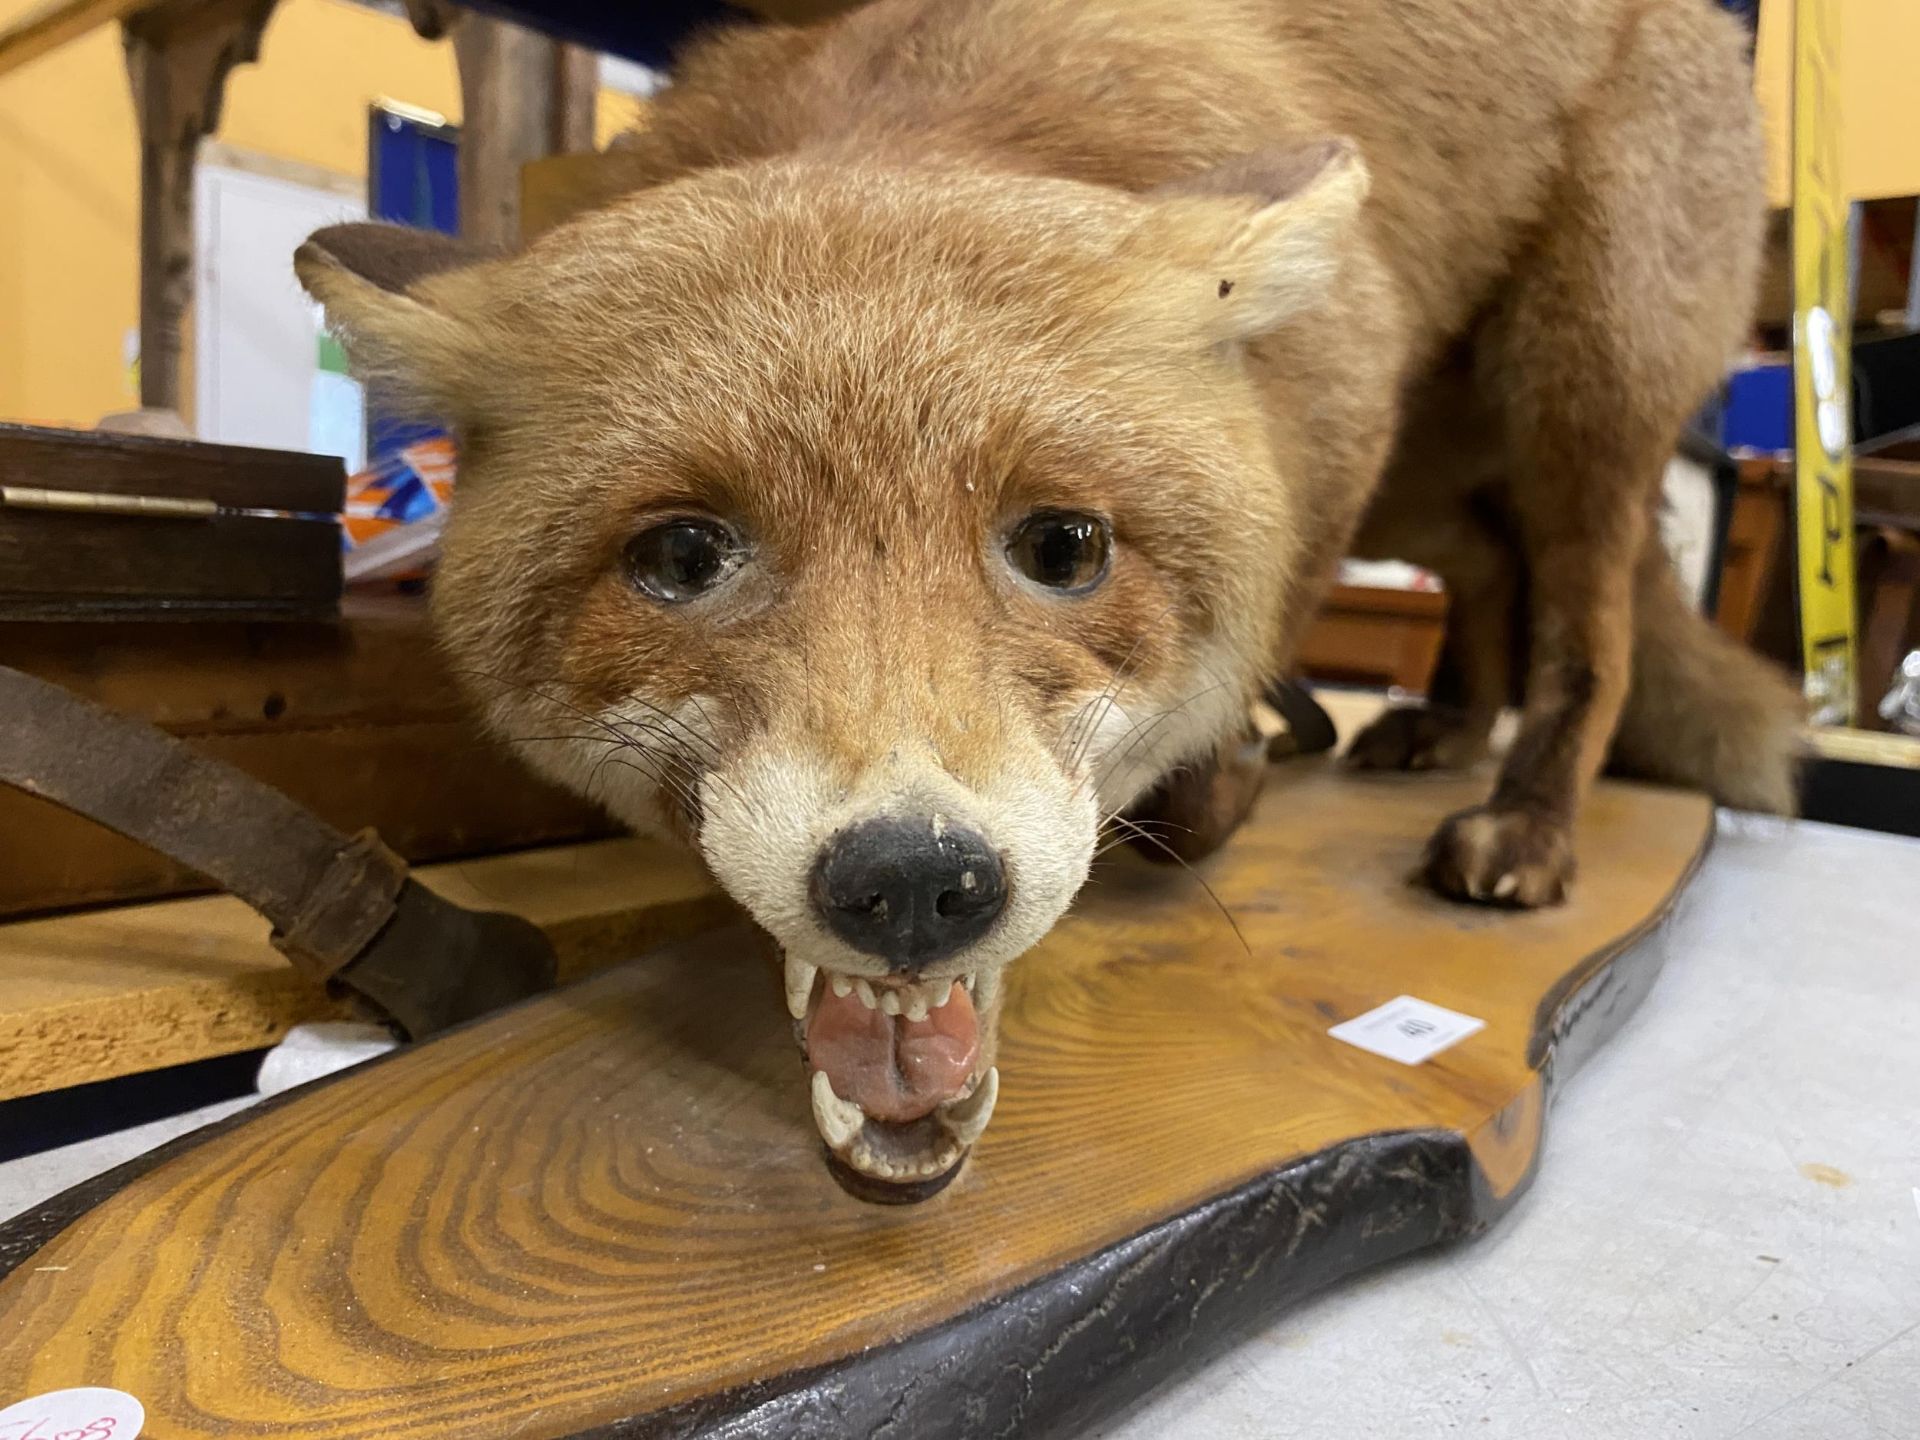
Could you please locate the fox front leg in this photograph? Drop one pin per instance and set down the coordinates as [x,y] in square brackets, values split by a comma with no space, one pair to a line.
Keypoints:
[1193,812]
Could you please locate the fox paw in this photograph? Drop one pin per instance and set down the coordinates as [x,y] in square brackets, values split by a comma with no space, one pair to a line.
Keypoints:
[1417,737]
[1517,858]
[1193,812]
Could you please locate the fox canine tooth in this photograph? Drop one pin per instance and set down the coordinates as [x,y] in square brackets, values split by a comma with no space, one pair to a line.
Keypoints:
[799,986]
[965,1119]
[838,1120]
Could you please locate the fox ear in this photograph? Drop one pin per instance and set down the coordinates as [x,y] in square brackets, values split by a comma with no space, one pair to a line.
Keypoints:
[1264,265]
[405,304]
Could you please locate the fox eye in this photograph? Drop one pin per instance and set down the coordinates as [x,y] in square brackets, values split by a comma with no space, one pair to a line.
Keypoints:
[681,560]
[1062,550]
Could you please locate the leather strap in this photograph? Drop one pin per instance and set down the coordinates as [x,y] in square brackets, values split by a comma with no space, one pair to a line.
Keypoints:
[335,903]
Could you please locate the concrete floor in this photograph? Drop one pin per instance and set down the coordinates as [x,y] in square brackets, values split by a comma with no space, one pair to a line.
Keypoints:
[1724,1239]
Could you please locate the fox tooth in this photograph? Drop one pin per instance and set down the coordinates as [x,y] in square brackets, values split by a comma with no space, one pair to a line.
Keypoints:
[945,994]
[842,986]
[965,1119]
[890,1002]
[865,992]
[986,988]
[838,1120]
[969,981]
[799,986]
[917,1010]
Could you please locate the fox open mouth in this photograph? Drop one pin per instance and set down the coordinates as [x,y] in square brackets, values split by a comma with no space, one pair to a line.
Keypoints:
[898,1092]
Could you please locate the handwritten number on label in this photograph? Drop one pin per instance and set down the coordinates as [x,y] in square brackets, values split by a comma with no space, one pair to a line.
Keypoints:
[36,1429]
[87,1412]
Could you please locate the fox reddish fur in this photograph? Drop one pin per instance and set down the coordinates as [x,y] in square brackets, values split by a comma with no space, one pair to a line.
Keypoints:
[1265,282]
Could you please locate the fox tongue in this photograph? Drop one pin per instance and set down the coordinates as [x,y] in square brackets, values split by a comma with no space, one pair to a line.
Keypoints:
[893,1068]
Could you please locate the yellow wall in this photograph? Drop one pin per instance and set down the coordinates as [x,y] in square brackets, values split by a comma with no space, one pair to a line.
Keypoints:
[67,267]
[1879,95]
[69,179]
[69,169]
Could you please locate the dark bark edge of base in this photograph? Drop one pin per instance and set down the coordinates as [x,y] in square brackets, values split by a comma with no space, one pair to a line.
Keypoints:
[1074,1344]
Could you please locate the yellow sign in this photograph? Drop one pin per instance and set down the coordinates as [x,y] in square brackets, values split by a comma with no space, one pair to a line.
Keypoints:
[1822,341]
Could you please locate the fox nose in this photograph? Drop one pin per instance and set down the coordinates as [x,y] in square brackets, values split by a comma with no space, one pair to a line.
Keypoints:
[908,890]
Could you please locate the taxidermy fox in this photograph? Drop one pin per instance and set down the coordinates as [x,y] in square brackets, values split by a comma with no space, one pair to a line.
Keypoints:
[925,462]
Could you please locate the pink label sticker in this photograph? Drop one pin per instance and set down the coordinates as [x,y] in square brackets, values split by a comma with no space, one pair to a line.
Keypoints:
[88,1413]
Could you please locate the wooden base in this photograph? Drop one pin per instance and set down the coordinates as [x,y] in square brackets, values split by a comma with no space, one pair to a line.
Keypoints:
[606,1212]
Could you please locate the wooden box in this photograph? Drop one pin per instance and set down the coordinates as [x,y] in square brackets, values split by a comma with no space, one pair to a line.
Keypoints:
[108,526]
[358,720]
[1376,637]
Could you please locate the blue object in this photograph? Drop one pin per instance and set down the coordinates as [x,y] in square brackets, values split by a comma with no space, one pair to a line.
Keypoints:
[413,171]
[413,178]
[1746,10]
[650,33]
[1757,413]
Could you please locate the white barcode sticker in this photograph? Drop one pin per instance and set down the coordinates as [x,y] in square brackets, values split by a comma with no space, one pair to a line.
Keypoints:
[89,1413]
[1407,1029]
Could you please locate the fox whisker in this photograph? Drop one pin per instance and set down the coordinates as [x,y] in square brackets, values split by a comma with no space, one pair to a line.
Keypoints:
[1201,880]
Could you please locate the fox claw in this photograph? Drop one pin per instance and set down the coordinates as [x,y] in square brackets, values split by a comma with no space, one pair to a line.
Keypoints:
[1517,858]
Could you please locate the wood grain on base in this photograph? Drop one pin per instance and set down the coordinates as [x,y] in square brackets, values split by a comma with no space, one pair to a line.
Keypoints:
[609,1204]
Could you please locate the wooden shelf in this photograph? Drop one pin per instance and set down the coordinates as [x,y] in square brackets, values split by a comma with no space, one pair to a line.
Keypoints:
[119,991]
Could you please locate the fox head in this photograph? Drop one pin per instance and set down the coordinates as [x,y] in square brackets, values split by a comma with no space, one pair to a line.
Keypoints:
[882,533]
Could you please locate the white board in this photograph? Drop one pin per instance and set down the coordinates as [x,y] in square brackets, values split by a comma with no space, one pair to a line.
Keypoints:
[257,378]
